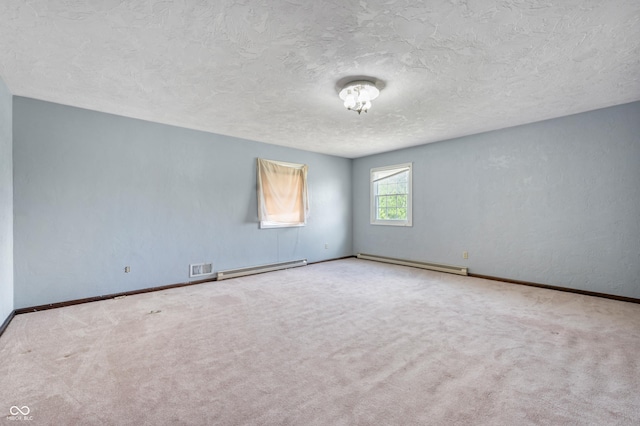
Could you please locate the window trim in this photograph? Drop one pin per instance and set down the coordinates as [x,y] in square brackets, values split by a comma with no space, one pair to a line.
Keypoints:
[372,197]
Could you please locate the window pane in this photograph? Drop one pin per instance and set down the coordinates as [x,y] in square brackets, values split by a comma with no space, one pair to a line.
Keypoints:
[388,188]
[390,197]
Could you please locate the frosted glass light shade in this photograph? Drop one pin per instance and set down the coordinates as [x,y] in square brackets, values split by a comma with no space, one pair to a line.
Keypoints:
[357,95]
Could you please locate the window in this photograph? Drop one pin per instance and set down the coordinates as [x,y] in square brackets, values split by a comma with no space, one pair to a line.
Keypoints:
[391,195]
[282,194]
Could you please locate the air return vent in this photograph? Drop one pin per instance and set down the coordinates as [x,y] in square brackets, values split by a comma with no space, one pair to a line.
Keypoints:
[460,270]
[200,269]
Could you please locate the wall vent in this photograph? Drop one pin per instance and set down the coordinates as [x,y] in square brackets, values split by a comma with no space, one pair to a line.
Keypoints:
[200,269]
[460,270]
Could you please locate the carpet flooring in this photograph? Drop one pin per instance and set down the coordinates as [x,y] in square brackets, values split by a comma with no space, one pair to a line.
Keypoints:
[348,342]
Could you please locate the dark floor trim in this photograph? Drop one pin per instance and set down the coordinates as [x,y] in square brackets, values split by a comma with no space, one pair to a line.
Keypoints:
[6,322]
[126,293]
[330,260]
[553,287]
[106,296]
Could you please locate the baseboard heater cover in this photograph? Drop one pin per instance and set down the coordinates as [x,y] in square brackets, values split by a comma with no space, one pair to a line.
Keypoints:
[424,265]
[240,272]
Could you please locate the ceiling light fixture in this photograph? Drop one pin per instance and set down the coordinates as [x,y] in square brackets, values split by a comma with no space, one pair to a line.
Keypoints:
[357,95]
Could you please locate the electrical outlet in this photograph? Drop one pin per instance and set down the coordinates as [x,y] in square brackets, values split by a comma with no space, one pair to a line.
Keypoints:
[127,269]
[465,254]
[326,246]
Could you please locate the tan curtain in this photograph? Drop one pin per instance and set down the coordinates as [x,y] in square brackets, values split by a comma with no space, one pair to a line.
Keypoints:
[282,194]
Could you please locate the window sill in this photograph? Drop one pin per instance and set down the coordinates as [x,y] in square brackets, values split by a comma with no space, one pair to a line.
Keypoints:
[392,223]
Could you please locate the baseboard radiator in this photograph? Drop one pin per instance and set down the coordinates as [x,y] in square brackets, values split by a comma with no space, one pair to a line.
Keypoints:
[424,265]
[240,272]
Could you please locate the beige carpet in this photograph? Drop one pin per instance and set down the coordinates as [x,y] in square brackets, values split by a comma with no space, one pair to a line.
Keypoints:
[348,342]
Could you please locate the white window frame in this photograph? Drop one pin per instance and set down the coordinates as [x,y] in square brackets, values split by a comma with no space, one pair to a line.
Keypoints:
[373,207]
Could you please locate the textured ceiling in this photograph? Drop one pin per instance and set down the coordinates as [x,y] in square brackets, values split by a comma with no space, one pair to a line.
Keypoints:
[268,70]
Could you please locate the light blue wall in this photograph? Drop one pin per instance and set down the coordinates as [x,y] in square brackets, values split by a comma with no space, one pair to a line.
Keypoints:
[554,202]
[96,192]
[6,203]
